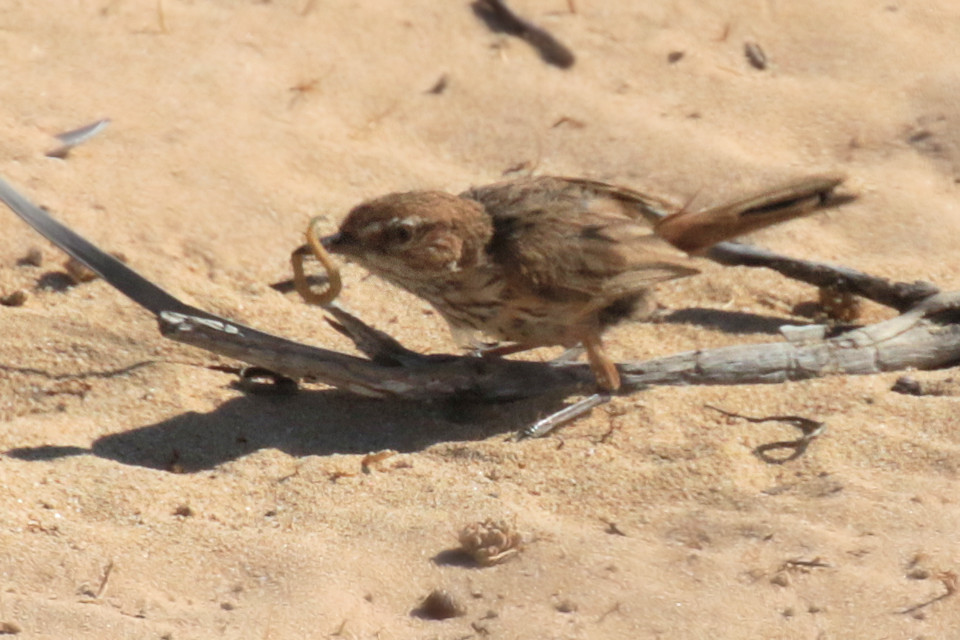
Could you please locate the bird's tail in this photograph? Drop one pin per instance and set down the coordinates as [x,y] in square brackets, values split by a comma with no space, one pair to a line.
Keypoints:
[697,231]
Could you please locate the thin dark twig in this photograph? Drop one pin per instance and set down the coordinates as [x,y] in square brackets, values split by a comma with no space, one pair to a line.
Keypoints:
[499,17]
[811,429]
[949,580]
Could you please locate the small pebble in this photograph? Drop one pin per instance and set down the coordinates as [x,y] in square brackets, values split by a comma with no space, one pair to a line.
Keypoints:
[15,299]
[565,606]
[780,579]
[81,273]
[907,386]
[33,258]
[440,605]
[78,271]
[755,55]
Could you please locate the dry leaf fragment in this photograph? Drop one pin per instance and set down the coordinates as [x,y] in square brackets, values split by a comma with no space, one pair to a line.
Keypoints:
[490,542]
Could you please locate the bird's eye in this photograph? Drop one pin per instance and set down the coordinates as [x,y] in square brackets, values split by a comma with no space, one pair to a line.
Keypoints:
[398,234]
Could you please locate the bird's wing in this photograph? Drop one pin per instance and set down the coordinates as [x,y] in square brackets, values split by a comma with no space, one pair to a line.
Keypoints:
[571,239]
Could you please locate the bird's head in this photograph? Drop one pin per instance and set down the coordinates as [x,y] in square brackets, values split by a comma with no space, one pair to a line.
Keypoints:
[406,237]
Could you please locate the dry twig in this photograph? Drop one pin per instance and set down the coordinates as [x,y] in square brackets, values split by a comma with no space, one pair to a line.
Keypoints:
[500,18]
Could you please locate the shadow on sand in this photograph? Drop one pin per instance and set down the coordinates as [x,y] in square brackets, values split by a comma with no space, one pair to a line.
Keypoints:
[309,422]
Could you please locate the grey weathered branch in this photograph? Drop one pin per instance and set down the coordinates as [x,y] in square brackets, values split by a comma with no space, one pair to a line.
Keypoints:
[898,295]
[927,336]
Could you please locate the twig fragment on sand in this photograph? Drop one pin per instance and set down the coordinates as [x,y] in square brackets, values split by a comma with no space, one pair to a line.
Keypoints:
[811,430]
[74,137]
[500,18]
[950,581]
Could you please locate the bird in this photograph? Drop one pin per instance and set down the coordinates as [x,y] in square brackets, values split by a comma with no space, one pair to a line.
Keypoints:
[545,261]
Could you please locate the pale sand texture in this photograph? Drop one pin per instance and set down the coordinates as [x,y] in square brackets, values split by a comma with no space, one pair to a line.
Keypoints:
[205,181]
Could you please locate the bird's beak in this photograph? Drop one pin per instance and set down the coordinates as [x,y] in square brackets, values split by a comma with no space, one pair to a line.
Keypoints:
[335,243]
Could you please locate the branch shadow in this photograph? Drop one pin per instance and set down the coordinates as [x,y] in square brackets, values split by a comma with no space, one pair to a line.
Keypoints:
[310,422]
[324,422]
[734,322]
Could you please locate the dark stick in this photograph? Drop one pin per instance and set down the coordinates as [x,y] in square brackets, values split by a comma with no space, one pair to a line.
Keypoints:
[500,18]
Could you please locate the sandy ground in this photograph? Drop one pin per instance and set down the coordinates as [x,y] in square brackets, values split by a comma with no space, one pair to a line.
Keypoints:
[145,497]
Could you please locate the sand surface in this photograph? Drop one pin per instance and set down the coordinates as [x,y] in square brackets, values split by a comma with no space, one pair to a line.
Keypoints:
[146,497]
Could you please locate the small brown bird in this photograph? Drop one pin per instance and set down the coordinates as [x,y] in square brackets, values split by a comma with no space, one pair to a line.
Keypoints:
[549,261]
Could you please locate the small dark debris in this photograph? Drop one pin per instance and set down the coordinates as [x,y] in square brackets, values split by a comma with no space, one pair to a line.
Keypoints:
[33,258]
[227,606]
[523,165]
[918,573]
[80,273]
[86,591]
[573,123]
[15,299]
[9,628]
[908,386]
[613,529]
[675,56]
[781,579]
[183,510]
[439,86]
[501,19]
[173,464]
[566,606]
[480,628]
[755,55]
[439,605]
[838,305]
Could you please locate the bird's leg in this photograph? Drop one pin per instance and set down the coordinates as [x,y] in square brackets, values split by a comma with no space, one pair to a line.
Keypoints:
[608,378]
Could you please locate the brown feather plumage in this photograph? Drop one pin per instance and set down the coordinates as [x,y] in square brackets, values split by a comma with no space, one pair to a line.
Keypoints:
[548,261]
